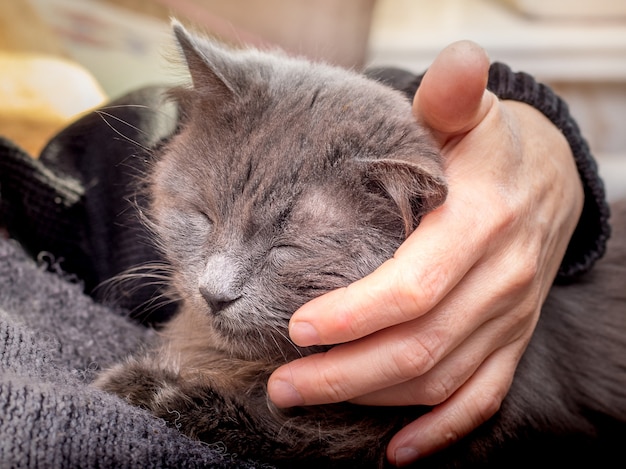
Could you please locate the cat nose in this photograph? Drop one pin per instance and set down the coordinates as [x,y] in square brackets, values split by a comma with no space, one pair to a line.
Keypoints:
[217,301]
[220,283]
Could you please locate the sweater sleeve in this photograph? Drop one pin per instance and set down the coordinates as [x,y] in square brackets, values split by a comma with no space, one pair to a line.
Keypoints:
[588,243]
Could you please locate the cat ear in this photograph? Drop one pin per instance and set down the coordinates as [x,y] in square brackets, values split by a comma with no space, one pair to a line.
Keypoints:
[206,61]
[415,187]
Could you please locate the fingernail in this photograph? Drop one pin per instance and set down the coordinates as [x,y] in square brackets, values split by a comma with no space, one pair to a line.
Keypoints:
[405,456]
[284,394]
[304,334]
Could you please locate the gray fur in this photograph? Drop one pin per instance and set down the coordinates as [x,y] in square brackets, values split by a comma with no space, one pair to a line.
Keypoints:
[289,179]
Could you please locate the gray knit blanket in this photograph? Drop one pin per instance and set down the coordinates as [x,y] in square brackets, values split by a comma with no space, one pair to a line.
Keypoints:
[53,340]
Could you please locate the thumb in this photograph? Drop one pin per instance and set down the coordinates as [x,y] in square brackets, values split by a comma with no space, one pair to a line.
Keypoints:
[452,98]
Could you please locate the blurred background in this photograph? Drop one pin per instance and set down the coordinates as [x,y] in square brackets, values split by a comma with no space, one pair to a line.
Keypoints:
[61,57]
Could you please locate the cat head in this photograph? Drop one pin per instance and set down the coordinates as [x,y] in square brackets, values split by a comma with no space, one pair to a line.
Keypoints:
[286,180]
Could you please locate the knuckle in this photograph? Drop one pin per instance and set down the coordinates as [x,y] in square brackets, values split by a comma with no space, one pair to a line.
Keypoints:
[451,428]
[487,404]
[416,290]
[438,389]
[327,381]
[333,389]
[432,281]
[414,356]
[504,216]
[527,267]
[522,262]
[519,274]
[523,319]
[403,294]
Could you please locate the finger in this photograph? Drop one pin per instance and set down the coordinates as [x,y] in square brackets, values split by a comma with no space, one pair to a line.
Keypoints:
[408,350]
[503,326]
[452,99]
[424,269]
[473,404]
[439,383]
[390,356]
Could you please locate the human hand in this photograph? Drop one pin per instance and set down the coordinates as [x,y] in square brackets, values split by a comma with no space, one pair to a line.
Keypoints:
[446,320]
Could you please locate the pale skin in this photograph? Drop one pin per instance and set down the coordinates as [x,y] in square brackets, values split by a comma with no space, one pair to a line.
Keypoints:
[447,319]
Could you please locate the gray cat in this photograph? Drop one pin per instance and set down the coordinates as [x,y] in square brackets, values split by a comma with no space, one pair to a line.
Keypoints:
[289,179]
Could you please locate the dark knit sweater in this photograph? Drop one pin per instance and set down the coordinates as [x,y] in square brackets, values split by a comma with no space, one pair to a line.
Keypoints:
[74,209]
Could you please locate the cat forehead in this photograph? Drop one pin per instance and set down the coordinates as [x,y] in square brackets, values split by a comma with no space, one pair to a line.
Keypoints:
[329,94]
[294,81]
[319,204]
[282,95]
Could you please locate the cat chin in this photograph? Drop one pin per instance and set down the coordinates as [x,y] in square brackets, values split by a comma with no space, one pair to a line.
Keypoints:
[239,330]
[245,332]
[254,342]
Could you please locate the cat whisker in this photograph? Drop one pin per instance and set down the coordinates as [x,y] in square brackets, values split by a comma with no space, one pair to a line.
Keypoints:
[157,271]
[145,309]
[152,228]
[101,112]
[154,270]
[156,110]
[278,347]
[136,279]
[103,115]
[287,340]
[155,303]
[262,339]
[157,276]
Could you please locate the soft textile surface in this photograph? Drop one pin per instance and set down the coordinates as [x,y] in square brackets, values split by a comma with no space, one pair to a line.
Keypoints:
[79,199]
[52,341]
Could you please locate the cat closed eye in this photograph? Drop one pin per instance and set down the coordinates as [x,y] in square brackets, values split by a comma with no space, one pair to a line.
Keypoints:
[201,217]
[281,252]
[195,223]
[285,248]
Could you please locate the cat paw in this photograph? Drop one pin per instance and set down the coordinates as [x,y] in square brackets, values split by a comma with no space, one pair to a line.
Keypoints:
[137,384]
